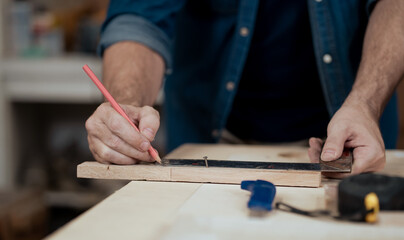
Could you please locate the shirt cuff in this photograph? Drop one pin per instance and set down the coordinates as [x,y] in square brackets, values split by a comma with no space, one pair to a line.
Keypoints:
[130,27]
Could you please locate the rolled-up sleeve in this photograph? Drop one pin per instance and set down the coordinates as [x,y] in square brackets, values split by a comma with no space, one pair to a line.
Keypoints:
[150,23]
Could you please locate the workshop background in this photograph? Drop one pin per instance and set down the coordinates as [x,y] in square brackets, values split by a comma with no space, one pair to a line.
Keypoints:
[45,99]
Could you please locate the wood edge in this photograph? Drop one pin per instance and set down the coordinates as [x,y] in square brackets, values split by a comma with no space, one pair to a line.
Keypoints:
[146,172]
[97,170]
[290,178]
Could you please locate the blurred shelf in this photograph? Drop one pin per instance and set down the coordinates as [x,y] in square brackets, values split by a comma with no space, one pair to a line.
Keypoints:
[51,79]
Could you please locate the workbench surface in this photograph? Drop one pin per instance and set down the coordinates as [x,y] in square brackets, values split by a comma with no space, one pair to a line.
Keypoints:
[172,210]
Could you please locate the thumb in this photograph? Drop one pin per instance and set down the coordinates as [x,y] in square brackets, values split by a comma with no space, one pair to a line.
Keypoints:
[333,146]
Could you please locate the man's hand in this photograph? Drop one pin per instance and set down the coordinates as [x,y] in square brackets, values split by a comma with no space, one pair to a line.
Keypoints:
[113,140]
[133,74]
[355,124]
[351,127]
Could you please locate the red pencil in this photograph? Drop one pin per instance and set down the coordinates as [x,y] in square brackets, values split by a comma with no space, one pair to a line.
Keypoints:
[116,106]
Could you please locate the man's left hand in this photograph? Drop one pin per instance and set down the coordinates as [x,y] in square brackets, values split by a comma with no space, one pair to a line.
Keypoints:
[351,127]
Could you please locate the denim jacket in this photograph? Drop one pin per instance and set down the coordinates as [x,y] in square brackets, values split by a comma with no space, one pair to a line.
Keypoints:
[204,44]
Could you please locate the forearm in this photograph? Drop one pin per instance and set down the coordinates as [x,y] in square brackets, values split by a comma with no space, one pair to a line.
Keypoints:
[382,64]
[133,73]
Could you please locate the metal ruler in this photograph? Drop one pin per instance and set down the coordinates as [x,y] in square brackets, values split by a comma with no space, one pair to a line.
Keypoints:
[342,164]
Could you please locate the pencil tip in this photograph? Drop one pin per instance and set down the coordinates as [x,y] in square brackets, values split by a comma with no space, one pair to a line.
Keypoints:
[157,158]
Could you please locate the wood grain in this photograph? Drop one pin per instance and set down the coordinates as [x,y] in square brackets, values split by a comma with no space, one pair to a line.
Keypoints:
[167,210]
[152,172]
[267,153]
[162,210]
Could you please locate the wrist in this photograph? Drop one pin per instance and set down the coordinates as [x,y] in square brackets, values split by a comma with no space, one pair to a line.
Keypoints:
[132,73]
[364,104]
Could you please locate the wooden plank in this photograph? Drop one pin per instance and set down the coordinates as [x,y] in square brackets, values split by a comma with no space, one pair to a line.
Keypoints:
[222,213]
[197,174]
[151,172]
[161,210]
[235,176]
[268,153]
[136,211]
[148,172]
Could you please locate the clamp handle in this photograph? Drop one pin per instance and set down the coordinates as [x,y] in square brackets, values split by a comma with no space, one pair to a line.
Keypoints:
[262,194]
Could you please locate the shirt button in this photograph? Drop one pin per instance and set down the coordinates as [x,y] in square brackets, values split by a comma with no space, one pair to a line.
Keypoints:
[327,58]
[230,86]
[244,32]
[215,133]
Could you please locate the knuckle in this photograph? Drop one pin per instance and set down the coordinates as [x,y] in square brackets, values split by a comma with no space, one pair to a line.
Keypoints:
[151,110]
[100,109]
[89,124]
[135,139]
[98,158]
[148,109]
[115,124]
[103,106]
[105,154]
[136,143]
[114,142]
[338,127]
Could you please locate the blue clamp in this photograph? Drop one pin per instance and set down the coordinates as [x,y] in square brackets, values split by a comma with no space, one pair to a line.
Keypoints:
[262,194]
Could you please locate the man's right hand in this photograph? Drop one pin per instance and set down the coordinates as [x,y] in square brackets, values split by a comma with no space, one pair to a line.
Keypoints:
[113,140]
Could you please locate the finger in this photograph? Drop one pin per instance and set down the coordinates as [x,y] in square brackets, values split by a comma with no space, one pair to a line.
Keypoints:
[315,149]
[104,154]
[117,144]
[365,160]
[368,159]
[334,144]
[357,167]
[96,127]
[149,122]
[316,143]
[120,127]
[92,148]
[129,152]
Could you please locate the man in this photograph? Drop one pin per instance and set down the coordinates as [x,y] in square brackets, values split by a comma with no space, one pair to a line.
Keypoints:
[269,71]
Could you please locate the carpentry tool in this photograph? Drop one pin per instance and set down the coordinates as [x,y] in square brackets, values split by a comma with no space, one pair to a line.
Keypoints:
[343,164]
[262,196]
[116,106]
[353,191]
[360,198]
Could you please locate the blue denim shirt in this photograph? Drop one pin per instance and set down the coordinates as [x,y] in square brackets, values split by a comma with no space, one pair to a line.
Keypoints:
[205,43]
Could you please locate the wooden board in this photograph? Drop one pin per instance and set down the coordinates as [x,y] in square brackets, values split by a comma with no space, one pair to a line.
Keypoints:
[164,210]
[152,172]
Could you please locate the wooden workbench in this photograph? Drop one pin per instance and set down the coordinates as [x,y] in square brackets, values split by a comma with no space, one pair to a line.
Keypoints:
[170,210]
